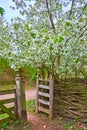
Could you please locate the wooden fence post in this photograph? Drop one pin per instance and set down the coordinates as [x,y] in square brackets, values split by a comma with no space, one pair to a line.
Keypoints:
[20,94]
[15,103]
[37,90]
[51,97]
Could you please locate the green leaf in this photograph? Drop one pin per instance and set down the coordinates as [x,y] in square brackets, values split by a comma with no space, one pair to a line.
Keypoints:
[2,11]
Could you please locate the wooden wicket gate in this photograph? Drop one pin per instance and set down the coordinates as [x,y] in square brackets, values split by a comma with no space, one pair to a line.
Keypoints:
[44,97]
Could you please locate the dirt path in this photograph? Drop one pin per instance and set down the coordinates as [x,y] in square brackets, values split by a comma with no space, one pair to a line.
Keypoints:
[29,94]
[39,123]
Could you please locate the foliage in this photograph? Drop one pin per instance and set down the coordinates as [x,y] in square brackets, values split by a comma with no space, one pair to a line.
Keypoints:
[53,37]
[2,116]
[31,106]
[16,125]
[73,126]
[2,11]
[5,125]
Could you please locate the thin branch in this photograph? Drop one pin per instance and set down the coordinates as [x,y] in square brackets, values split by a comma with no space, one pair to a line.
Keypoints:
[82,10]
[82,33]
[75,33]
[50,16]
[71,8]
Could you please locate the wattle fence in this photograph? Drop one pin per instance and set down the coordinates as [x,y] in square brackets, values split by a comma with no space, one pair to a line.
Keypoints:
[70,99]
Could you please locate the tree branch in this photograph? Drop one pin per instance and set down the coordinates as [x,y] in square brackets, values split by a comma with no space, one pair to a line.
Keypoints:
[50,16]
[82,10]
[75,33]
[71,8]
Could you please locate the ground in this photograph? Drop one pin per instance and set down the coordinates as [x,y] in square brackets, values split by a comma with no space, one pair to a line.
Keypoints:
[37,122]
[30,94]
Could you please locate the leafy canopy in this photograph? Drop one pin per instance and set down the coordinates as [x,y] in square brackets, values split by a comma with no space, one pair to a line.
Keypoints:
[53,36]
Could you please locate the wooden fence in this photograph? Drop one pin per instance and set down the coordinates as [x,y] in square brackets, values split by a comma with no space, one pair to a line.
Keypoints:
[5,108]
[67,98]
[12,102]
[70,100]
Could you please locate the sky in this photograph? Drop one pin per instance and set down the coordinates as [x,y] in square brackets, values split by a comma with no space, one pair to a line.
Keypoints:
[9,13]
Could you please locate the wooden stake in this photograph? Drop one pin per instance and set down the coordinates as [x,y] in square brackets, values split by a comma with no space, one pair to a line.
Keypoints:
[20,94]
[51,98]
[37,91]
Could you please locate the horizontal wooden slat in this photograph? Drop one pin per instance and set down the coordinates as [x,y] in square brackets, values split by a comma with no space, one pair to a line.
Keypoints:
[43,94]
[5,120]
[5,101]
[6,110]
[7,82]
[44,86]
[7,92]
[43,102]
[1,112]
[44,80]
[43,110]
[10,109]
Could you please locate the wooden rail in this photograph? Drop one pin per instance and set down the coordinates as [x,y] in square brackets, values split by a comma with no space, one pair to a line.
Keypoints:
[43,86]
[44,94]
[43,110]
[44,102]
[3,92]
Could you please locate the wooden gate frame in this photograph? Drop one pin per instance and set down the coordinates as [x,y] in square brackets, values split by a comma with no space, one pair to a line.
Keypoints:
[50,96]
[19,100]
[6,110]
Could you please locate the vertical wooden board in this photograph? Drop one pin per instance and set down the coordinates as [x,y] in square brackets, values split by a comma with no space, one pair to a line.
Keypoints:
[15,103]
[21,102]
[37,93]
[51,98]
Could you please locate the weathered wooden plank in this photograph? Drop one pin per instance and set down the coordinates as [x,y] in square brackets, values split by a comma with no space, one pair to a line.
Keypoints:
[44,80]
[37,94]
[44,86]
[7,92]
[43,110]
[10,109]
[44,94]
[20,94]
[1,112]
[5,120]
[5,101]
[2,83]
[51,98]
[6,110]
[16,105]
[43,102]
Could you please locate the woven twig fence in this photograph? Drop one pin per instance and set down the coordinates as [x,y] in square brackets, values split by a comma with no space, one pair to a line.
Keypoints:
[70,99]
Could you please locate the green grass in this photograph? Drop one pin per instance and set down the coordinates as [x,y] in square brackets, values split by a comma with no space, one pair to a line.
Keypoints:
[16,125]
[31,106]
[29,87]
[2,116]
